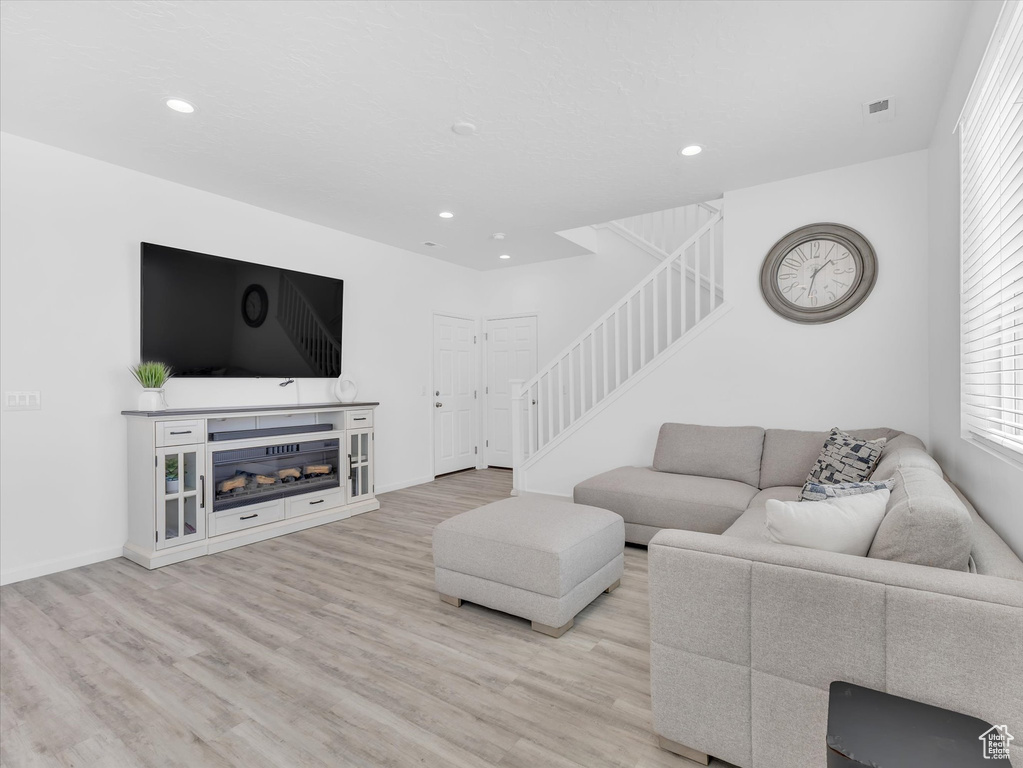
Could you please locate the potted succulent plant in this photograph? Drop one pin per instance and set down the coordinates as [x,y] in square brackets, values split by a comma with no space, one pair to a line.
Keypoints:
[171,474]
[152,376]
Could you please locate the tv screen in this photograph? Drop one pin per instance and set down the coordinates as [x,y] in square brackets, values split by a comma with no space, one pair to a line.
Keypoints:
[210,316]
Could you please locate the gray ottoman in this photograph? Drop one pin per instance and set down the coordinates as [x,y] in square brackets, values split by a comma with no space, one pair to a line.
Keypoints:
[530,556]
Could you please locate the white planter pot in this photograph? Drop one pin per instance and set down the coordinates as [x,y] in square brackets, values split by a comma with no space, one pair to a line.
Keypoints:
[173,485]
[152,400]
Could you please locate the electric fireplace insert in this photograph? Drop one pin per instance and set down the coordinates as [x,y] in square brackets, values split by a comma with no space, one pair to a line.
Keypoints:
[244,476]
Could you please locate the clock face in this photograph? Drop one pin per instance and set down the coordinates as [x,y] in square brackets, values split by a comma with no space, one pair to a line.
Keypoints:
[255,304]
[817,273]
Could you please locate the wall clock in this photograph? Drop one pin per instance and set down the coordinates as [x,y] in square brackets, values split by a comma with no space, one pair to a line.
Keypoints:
[254,305]
[818,273]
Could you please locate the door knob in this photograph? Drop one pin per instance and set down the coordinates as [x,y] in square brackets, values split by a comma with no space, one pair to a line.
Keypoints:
[438,405]
[534,402]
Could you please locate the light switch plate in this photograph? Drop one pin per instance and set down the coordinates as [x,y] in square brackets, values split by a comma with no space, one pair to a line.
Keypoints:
[23,401]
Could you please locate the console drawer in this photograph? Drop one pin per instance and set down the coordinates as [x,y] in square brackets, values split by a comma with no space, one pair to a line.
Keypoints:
[358,419]
[246,517]
[179,433]
[313,503]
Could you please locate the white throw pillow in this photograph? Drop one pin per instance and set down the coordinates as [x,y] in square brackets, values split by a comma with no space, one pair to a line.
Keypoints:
[844,525]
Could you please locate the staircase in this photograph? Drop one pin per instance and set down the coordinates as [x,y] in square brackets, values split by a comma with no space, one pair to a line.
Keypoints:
[661,233]
[651,322]
[306,330]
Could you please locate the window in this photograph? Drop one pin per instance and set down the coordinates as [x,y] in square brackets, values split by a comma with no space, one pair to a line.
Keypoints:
[991,297]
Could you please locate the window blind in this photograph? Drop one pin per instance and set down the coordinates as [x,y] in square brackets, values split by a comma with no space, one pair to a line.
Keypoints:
[991,156]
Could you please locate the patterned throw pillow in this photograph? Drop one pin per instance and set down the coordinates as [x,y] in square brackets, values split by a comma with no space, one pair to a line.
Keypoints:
[845,459]
[820,492]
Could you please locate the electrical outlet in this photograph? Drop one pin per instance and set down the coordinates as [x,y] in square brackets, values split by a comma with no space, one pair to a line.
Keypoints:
[23,401]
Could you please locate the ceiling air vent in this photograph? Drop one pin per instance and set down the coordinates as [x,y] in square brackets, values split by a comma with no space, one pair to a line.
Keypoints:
[880,111]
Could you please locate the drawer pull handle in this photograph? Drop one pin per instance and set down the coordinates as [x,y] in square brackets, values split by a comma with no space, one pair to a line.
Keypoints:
[361,418]
[248,517]
[318,501]
[186,432]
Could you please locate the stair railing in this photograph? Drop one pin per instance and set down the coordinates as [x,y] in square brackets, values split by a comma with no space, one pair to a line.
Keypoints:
[306,330]
[662,232]
[652,317]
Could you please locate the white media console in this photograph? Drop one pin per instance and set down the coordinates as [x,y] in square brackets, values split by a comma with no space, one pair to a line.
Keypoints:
[204,480]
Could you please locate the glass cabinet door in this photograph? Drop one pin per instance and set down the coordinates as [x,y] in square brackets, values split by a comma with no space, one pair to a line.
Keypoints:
[180,495]
[360,465]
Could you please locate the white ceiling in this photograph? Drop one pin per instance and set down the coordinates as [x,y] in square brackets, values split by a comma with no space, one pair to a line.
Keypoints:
[340,112]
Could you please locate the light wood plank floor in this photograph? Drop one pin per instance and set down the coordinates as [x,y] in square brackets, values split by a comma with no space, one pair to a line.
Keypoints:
[327,647]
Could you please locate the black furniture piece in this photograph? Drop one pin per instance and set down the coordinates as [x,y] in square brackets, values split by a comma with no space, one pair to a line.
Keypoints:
[875,729]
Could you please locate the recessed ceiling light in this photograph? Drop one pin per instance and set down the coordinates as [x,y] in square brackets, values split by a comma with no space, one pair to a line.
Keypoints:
[180,105]
[463,128]
[692,149]
[498,236]
[446,215]
[504,256]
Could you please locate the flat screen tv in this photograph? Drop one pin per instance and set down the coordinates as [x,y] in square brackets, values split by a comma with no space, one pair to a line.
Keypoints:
[210,316]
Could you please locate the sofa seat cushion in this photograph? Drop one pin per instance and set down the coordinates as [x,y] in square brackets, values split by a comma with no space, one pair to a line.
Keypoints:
[752,524]
[728,453]
[925,523]
[534,543]
[789,454]
[664,500]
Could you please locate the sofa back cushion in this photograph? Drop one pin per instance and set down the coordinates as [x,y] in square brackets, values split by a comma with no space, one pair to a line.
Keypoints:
[729,453]
[925,523]
[789,454]
[904,454]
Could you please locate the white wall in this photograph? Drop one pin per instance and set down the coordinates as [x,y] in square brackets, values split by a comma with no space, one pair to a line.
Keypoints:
[753,367]
[69,326]
[993,485]
[567,295]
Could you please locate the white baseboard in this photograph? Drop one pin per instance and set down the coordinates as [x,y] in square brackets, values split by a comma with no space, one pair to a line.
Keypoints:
[88,558]
[60,564]
[403,484]
[535,492]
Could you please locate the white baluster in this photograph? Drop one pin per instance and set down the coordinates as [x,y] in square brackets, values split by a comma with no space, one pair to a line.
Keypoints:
[669,323]
[531,418]
[642,326]
[713,271]
[628,333]
[571,383]
[683,293]
[604,360]
[618,347]
[699,284]
[518,455]
[656,316]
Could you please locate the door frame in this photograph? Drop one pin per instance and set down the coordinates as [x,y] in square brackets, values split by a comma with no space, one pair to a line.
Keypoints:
[484,422]
[474,366]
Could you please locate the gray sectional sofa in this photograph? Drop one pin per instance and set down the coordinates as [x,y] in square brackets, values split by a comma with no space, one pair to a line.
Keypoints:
[747,634]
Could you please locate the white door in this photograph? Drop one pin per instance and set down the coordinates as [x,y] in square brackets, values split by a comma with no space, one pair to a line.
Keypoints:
[511,354]
[454,382]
